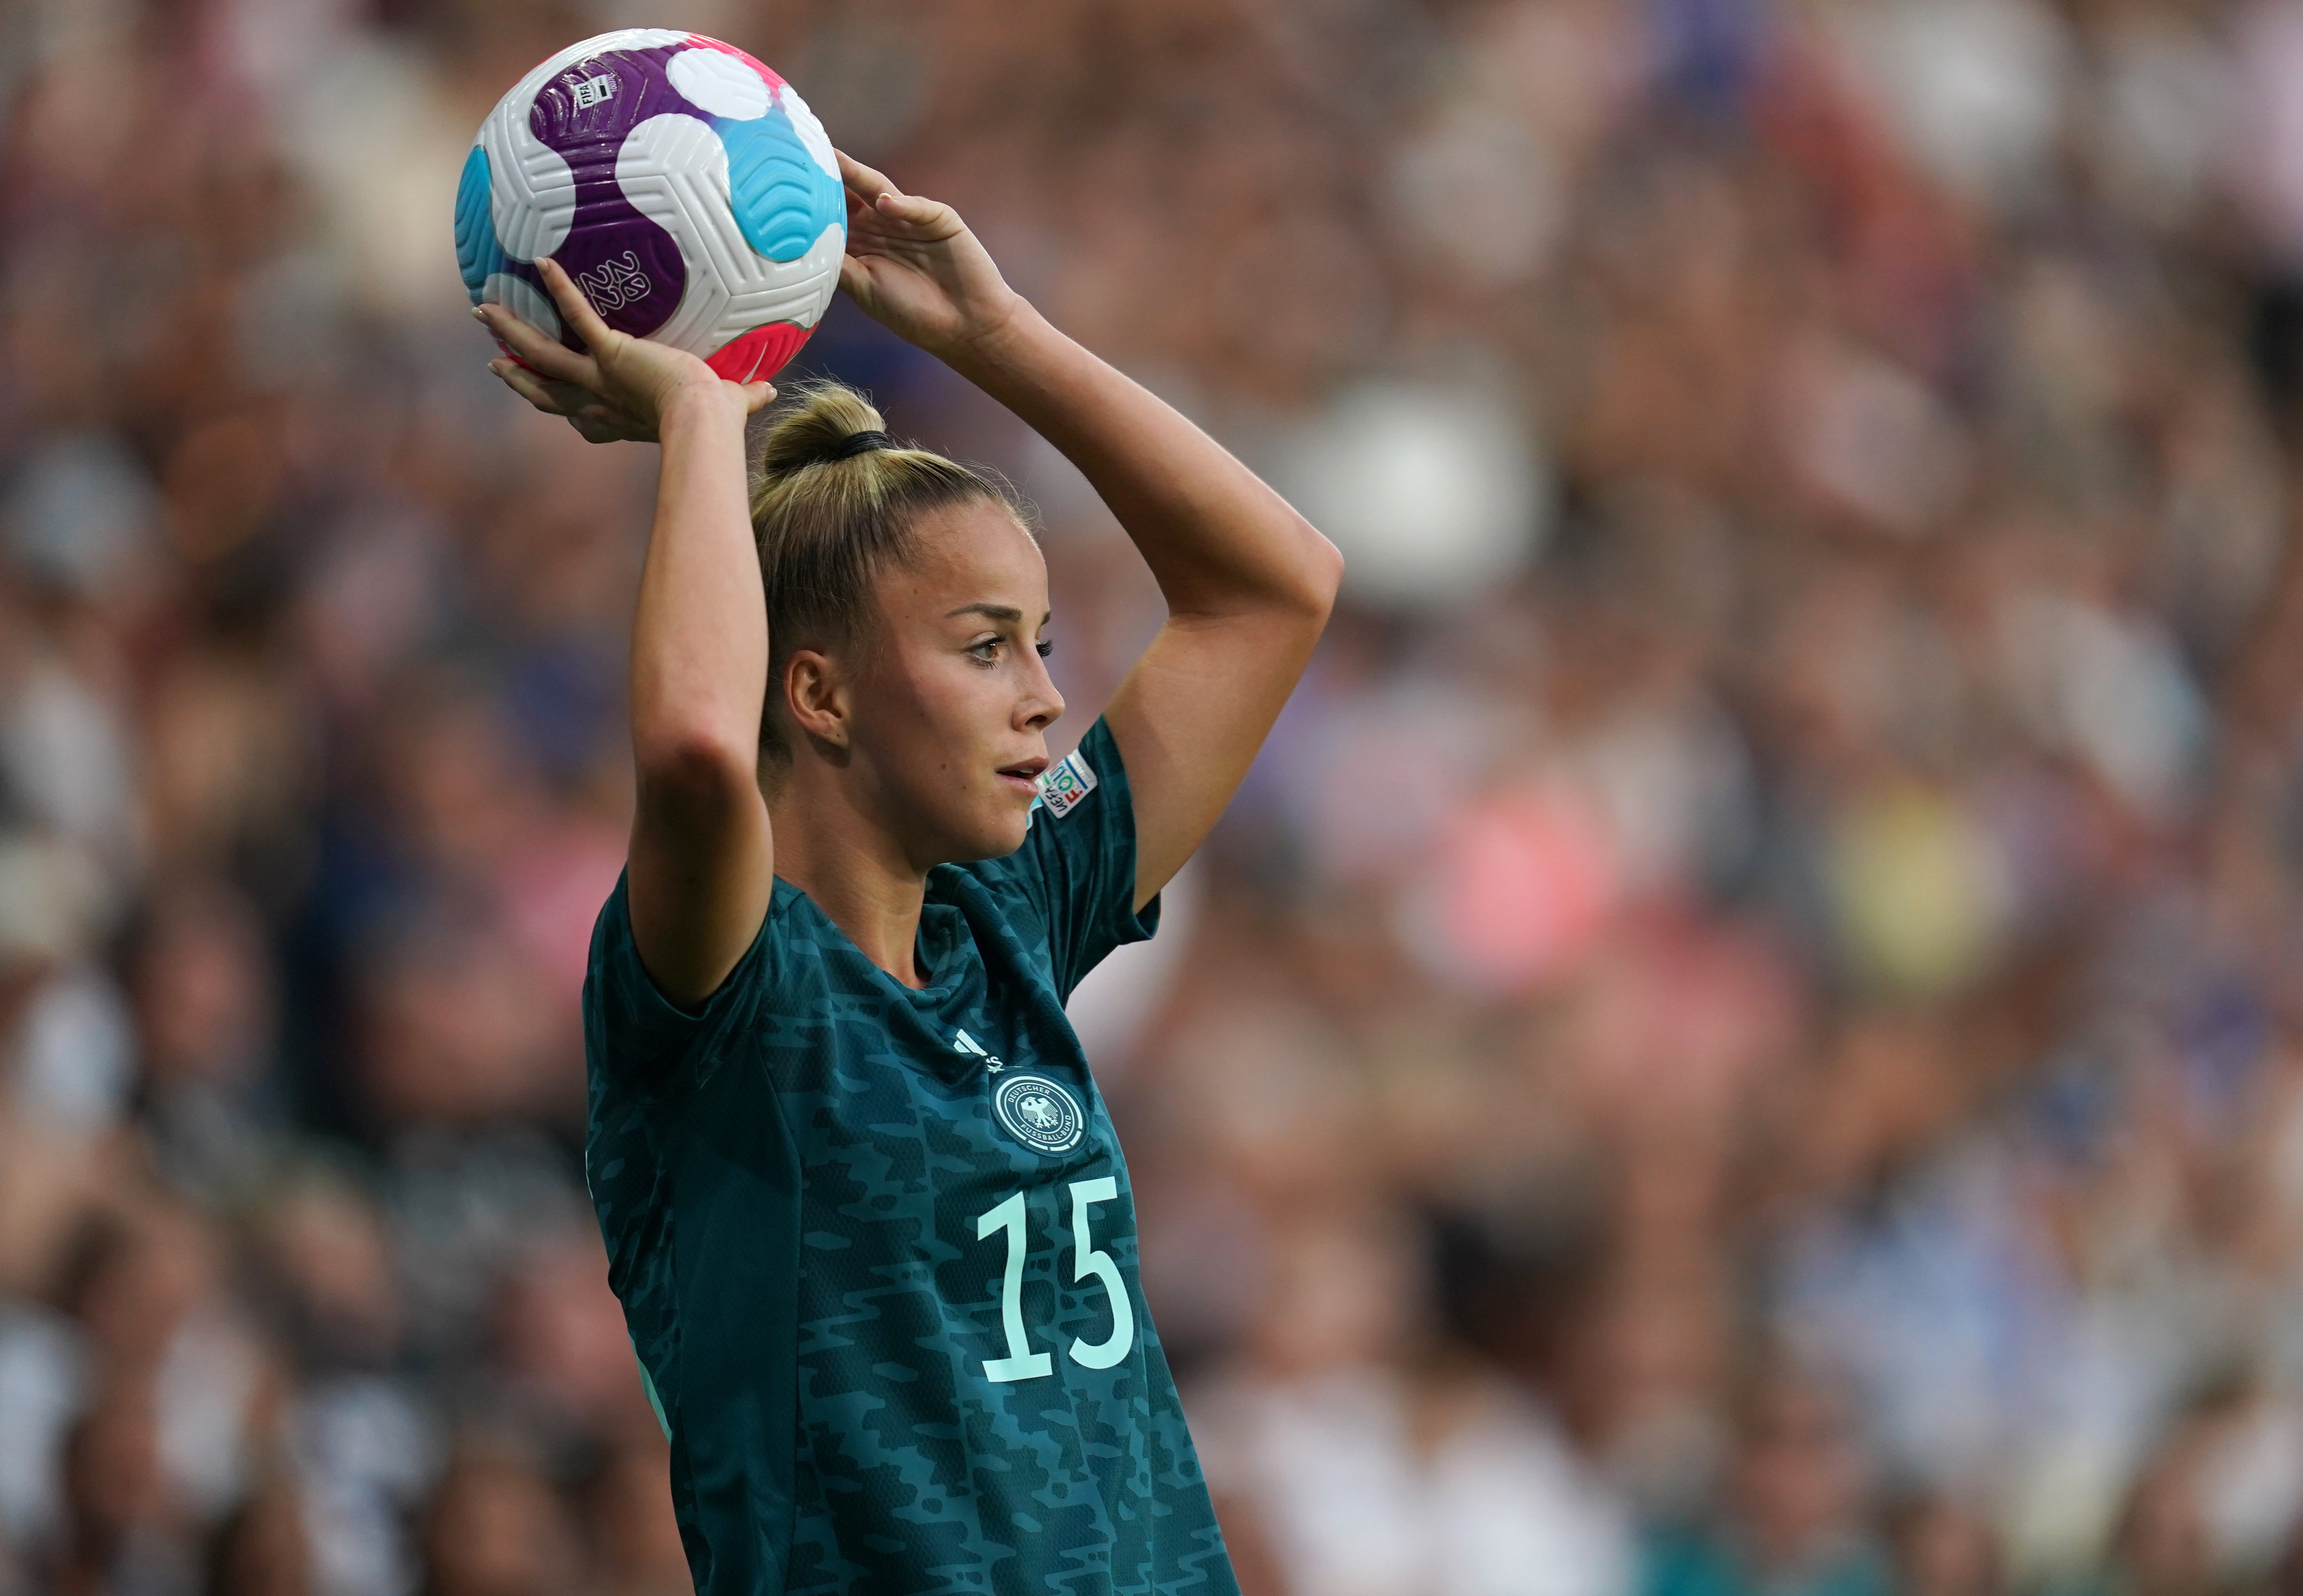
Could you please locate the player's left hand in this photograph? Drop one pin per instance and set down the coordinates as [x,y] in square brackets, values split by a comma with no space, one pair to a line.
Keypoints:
[915,268]
[620,386]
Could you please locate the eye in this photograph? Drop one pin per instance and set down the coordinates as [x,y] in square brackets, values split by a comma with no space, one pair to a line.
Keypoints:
[985,651]
[1044,647]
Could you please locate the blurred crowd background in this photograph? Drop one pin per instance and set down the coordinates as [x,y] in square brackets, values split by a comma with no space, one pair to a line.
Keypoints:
[1743,1039]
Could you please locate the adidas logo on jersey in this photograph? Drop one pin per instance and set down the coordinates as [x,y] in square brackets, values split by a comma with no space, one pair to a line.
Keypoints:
[965,1044]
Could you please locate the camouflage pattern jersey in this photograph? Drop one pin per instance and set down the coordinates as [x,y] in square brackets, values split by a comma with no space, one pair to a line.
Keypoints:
[876,1247]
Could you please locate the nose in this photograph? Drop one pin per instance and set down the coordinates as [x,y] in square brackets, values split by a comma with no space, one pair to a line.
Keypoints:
[1040,706]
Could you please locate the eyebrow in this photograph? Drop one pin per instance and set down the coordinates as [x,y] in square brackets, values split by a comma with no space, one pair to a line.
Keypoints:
[1007,612]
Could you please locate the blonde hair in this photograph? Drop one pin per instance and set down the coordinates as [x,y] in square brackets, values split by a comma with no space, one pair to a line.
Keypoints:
[827,521]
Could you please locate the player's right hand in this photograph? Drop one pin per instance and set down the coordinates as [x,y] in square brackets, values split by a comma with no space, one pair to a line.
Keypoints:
[621,386]
[913,266]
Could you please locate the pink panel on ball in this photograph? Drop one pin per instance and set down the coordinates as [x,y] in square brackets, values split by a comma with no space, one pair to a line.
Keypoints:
[759,354]
[767,73]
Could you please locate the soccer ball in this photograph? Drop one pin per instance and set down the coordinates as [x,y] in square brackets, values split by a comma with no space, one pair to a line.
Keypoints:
[691,194]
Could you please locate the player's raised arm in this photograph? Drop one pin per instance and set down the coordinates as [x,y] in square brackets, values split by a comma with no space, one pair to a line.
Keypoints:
[701,866]
[1249,583]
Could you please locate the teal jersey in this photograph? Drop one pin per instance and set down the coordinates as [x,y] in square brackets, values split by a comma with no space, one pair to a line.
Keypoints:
[876,1247]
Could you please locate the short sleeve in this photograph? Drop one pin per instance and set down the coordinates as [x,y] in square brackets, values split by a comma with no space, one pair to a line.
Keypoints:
[1076,869]
[640,1039]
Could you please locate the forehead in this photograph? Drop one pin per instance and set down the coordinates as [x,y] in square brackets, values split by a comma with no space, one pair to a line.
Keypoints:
[969,553]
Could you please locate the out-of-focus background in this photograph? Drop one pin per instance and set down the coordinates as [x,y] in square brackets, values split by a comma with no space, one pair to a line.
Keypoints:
[1742,1038]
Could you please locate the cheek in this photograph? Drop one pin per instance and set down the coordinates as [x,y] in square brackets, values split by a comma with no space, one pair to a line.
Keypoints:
[938,711]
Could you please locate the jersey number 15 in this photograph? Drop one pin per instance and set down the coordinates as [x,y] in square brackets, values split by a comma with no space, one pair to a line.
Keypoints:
[1021,1362]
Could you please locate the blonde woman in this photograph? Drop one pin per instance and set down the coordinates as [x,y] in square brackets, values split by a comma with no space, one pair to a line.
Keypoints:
[864,1207]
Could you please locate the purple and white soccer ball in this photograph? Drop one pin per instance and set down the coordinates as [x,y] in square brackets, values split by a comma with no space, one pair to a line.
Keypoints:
[691,194]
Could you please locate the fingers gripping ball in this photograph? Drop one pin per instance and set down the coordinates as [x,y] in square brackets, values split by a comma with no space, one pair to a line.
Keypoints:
[691,194]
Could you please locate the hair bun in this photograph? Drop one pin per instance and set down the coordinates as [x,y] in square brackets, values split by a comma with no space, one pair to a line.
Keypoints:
[859,443]
[823,421]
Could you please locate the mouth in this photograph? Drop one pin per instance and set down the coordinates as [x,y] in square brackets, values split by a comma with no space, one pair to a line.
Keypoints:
[1025,774]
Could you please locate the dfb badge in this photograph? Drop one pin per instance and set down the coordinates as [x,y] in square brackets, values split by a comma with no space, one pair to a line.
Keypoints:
[1041,1113]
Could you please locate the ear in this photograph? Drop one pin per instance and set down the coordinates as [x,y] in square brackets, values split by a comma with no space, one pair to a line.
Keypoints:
[817,698]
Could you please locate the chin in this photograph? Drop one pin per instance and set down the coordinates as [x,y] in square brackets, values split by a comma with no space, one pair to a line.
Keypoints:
[1004,840]
[989,837]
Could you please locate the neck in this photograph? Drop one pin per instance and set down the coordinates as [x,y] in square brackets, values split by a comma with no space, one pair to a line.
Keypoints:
[852,868]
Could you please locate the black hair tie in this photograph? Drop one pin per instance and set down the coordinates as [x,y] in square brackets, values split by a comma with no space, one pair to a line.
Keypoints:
[861,442]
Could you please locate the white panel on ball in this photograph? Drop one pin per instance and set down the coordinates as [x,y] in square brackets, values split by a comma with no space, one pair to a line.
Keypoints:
[662,169]
[720,84]
[793,291]
[531,191]
[810,129]
[524,300]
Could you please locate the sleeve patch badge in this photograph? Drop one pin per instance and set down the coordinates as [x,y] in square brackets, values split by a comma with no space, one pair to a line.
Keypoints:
[1063,784]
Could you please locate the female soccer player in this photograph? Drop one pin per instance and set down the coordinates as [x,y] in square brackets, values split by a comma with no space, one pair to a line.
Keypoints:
[864,1206]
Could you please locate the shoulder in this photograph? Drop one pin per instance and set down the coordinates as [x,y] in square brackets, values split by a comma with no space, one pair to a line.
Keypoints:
[614,957]
[635,1034]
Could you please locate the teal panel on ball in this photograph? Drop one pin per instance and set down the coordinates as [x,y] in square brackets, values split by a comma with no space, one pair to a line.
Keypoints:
[477,251]
[782,199]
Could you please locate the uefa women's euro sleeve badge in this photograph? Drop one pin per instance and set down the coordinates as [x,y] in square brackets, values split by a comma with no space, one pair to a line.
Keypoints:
[1063,784]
